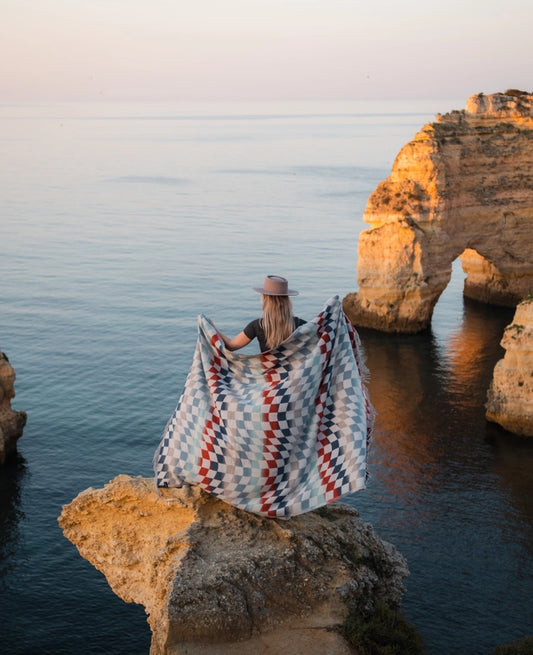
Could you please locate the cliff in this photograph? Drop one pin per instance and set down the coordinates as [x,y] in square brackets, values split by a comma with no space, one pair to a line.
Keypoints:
[510,396]
[463,187]
[217,580]
[11,422]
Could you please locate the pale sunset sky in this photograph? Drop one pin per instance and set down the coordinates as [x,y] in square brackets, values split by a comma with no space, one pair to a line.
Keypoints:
[190,50]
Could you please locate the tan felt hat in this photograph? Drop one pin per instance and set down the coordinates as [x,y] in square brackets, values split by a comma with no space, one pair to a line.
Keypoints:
[275,285]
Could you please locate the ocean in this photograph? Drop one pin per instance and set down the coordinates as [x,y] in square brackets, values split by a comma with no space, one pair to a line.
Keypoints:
[120,223]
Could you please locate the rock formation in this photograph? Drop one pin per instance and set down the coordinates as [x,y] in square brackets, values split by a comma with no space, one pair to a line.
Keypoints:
[510,397]
[11,422]
[462,188]
[217,580]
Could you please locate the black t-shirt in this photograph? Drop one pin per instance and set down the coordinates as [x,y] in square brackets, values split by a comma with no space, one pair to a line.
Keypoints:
[255,329]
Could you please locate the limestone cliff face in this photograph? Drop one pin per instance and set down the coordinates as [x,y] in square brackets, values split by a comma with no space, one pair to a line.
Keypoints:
[216,579]
[462,188]
[510,397]
[11,422]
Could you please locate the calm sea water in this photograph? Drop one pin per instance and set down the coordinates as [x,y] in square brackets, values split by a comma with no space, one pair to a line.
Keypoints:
[119,224]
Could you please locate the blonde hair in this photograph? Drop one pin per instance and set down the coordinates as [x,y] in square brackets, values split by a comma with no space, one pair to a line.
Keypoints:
[278,320]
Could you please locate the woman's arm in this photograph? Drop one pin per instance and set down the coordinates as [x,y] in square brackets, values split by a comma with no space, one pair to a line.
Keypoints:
[236,343]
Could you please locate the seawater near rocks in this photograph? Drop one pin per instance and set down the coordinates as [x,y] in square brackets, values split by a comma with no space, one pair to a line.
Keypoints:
[463,187]
[216,579]
[11,422]
[510,396]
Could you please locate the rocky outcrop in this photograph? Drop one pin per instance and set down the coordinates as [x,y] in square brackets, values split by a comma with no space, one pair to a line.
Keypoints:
[462,188]
[510,397]
[216,579]
[11,422]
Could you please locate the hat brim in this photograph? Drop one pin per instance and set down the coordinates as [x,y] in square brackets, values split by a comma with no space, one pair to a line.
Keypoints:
[290,292]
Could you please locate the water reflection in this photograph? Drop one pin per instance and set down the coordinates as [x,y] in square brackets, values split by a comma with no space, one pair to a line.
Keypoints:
[513,465]
[472,351]
[11,476]
[430,395]
[452,491]
[404,389]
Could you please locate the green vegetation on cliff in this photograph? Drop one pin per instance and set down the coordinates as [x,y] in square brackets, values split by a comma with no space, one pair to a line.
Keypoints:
[384,632]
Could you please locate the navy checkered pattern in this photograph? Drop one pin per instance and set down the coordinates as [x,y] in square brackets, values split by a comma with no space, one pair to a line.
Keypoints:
[278,433]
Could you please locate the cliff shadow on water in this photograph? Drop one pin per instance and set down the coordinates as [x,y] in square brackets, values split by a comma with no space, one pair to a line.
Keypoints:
[447,487]
[12,475]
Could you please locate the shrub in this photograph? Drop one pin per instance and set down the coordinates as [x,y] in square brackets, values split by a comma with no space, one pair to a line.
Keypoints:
[385,632]
[515,92]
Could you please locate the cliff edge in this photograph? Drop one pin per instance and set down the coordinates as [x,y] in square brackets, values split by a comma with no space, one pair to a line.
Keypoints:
[216,579]
[11,422]
[463,187]
[510,396]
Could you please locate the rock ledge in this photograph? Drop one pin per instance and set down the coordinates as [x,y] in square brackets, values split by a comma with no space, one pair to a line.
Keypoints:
[216,579]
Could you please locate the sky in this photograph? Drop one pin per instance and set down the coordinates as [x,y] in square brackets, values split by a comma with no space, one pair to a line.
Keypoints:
[192,50]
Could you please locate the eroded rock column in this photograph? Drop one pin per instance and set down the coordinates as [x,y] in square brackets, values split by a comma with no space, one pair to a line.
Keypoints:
[510,397]
[11,422]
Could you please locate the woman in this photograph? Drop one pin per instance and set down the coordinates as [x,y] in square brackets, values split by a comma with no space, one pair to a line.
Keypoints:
[278,433]
[277,322]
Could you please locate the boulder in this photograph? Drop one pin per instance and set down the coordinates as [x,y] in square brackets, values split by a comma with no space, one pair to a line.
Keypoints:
[11,422]
[463,187]
[216,579]
[510,396]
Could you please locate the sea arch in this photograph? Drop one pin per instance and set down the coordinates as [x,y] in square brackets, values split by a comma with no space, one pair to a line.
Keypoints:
[462,188]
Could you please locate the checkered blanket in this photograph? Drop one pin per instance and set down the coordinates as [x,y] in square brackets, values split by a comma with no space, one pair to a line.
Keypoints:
[278,433]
